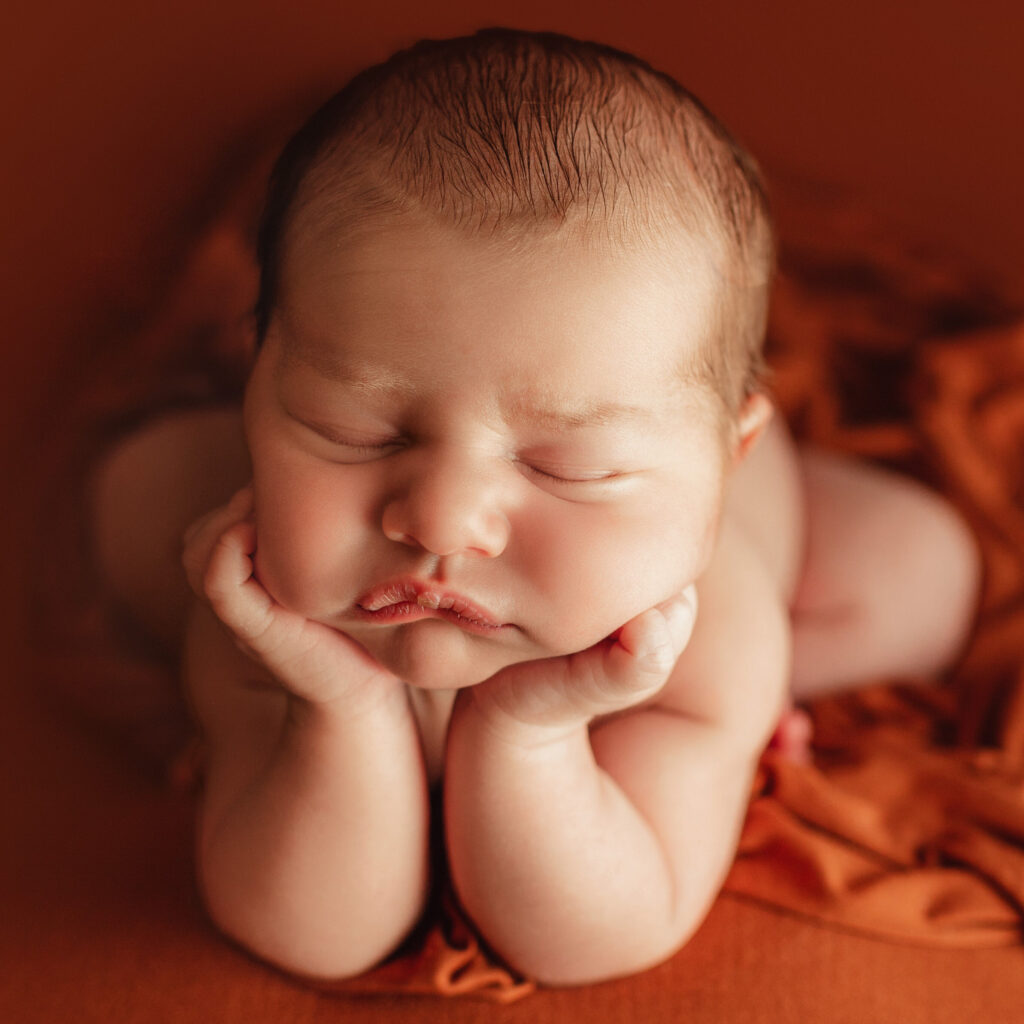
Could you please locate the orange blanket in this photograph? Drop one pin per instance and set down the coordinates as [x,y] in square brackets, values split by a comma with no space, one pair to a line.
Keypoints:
[909,825]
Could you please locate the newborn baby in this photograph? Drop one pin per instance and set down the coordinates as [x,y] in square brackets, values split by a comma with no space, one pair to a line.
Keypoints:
[520,524]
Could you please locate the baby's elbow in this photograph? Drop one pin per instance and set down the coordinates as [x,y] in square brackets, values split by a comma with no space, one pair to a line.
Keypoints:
[317,950]
[632,952]
[327,961]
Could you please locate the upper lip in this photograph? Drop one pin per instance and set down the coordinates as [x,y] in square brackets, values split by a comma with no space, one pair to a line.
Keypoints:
[426,594]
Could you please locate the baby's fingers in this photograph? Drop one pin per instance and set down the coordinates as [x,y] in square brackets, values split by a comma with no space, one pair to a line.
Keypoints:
[228,583]
[203,535]
[649,645]
[613,675]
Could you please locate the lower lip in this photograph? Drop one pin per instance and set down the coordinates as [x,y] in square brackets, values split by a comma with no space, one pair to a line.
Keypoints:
[409,611]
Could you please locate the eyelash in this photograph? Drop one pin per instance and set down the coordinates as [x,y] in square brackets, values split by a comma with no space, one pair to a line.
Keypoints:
[381,448]
[369,449]
[357,447]
[567,479]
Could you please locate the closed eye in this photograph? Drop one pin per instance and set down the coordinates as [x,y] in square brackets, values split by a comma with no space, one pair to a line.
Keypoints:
[569,474]
[369,450]
[352,445]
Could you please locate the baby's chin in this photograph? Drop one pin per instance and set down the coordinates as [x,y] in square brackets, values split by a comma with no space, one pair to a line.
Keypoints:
[435,655]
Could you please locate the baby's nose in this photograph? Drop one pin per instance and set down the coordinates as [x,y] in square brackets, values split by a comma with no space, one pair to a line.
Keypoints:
[449,507]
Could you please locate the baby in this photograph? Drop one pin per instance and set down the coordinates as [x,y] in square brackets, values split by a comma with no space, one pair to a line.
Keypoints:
[520,524]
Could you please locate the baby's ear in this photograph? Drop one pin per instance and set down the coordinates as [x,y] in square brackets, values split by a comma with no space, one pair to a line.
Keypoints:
[755,415]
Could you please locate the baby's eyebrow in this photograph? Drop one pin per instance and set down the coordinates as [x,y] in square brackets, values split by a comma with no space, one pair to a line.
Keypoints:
[590,414]
[320,359]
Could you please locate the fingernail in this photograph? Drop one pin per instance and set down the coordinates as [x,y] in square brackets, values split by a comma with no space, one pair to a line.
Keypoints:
[681,613]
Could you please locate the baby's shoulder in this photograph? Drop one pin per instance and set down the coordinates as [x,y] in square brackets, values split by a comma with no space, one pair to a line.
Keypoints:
[734,673]
[765,503]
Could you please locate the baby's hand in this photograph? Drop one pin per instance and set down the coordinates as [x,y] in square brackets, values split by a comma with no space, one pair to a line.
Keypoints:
[311,660]
[555,695]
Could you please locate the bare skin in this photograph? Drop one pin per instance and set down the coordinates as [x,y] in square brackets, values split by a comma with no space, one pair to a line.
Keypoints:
[596,767]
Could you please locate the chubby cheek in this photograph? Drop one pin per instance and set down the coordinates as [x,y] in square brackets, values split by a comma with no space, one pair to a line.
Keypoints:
[594,572]
[310,534]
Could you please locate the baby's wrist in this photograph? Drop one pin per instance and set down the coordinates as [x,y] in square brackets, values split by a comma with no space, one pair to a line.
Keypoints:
[354,704]
[482,710]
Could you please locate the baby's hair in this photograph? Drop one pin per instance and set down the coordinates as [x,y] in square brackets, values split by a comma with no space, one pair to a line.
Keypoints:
[517,132]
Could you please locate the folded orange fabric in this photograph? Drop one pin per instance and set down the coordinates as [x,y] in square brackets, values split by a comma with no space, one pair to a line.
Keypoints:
[909,825]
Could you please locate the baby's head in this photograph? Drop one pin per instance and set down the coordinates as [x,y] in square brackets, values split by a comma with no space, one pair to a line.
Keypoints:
[516,134]
[510,317]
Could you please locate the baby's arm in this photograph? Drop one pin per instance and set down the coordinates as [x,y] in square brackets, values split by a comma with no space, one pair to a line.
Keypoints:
[585,857]
[314,823]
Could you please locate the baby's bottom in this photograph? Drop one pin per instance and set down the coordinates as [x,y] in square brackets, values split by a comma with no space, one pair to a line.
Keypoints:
[890,580]
[146,492]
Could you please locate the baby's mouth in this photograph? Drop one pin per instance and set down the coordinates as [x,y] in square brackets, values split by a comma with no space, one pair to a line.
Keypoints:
[408,599]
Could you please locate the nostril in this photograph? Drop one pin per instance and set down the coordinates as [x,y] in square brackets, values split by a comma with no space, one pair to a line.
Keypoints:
[394,524]
[397,535]
[401,528]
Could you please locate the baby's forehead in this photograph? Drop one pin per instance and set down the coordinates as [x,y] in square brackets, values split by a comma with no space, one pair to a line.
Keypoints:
[405,273]
[363,258]
[322,229]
